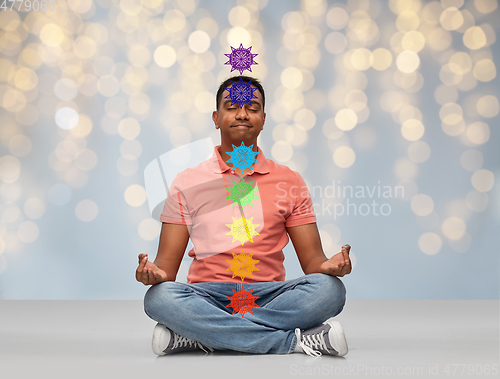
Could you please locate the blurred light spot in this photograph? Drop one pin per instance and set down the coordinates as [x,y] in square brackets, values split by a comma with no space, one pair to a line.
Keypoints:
[295,136]
[11,213]
[282,151]
[346,119]
[453,228]
[485,70]
[460,63]
[486,6]
[451,113]
[66,118]
[405,169]
[431,12]
[337,18]
[412,129]
[59,194]
[108,85]
[34,208]
[483,180]
[239,16]
[199,41]
[20,145]
[419,151]
[66,89]
[205,102]
[180,102]
[208,25]
[28,232]
[305,119]
[149,229]
[165,56]
[331,131]
[84,47]
[478,132]
[25,79]
[83,6]
[52,35]
[129,128]
[413,40]
[487,106]
[135,195]
[407,21]
[315,8]
[291,77]
[86,160]
[474,38]
[430,243]
[439,39]
[174,20]
[477,201]
[407,61]
[86,210]
[380,59]
[10,168]
[83,128]
[422,205]
[237,36]
[335,42]
[360,59]
[451,19]
[471,160]
[454,130]
[344,156]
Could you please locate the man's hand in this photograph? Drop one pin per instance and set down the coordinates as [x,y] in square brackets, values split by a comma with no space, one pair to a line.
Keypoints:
[148,273]
[339,264]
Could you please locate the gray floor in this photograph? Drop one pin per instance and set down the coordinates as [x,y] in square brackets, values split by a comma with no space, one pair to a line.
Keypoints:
[112,339]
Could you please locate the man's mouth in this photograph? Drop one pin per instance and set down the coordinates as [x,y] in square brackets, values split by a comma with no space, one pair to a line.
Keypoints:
[241,126]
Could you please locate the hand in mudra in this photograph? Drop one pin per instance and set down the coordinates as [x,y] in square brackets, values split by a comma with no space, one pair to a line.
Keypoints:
[148,273]
[339,264]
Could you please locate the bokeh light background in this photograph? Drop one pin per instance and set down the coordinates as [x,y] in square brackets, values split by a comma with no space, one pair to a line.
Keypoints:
[360,93]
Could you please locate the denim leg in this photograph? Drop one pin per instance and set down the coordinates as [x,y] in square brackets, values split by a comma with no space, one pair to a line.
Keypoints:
[199,311]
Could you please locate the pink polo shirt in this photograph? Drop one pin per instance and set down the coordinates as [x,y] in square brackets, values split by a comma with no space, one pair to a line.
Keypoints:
[238,241]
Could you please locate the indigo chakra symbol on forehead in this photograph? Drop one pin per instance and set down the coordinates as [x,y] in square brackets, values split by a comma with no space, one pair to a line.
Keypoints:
[241,93]
[241,59]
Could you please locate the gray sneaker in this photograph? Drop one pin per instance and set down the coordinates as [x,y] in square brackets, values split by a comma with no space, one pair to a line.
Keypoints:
[327,338]
[165,341]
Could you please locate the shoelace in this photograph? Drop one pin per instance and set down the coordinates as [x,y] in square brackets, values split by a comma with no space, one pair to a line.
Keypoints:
[311,341]
[180,341]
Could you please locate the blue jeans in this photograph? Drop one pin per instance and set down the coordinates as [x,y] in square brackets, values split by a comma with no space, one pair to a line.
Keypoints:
[199,311]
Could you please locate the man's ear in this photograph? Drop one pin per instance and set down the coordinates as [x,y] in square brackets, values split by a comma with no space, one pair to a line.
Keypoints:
[215,118]
[263,120]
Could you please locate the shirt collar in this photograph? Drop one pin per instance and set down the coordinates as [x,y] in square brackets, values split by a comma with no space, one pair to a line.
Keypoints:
[220,166]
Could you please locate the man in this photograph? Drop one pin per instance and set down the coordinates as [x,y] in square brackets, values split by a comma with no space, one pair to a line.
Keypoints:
[236,297]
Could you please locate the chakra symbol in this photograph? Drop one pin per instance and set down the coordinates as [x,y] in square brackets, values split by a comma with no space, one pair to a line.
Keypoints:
[242,231]
[241,93]
[242,265]
[241,59]
[242,301]
[242,193]
[242,156]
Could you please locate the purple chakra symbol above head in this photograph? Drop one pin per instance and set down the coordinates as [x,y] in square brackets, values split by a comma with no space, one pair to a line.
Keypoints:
[241,93]
[241,59]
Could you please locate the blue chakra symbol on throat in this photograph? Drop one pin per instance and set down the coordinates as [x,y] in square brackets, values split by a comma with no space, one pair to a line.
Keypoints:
[242,156]
[241,59]
[241,93]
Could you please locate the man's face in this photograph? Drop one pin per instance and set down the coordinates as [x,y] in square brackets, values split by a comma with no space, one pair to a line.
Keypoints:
[240,124]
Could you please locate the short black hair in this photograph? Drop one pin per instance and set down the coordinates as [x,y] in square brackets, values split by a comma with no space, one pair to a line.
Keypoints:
[247,79]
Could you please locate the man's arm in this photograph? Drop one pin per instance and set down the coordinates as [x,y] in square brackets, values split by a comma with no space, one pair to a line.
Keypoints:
[171,248]
[307,244]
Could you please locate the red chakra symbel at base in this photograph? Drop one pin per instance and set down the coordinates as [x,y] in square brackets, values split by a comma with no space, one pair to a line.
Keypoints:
[242,301]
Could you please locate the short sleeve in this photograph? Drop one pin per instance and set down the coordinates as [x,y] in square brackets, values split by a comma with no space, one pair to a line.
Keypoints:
[303,210]
[175,209]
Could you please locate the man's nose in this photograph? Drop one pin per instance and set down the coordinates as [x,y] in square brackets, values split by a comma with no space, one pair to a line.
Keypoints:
[242,113]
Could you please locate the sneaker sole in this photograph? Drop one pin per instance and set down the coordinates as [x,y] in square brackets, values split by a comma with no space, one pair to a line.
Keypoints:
[339,341]
[160,335]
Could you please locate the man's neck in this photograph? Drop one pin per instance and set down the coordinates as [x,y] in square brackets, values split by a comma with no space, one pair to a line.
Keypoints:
[225,147]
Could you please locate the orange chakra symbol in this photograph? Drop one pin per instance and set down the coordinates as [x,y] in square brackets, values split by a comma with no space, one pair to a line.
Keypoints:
[242,301]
